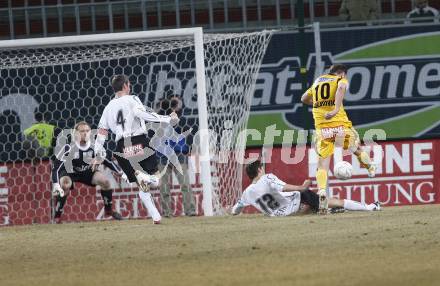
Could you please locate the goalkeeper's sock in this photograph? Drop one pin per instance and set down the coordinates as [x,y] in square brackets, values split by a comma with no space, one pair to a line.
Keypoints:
[108,200]
[148,202]
[321,178]
[61,201]
[364,160]
[355,206]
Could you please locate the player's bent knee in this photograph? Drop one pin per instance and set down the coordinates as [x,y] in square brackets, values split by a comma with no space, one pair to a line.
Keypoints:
[66,187]
[105,184]
[151,180]
[155,181]
[66,183]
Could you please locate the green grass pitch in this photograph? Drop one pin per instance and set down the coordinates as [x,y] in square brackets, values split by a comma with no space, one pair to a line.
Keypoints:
[397,246]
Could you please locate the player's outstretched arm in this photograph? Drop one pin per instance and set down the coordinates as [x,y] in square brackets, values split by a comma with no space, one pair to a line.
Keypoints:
[57,168]
[306,98]
[103,128]
[240,205]
[237,208]
[304,187]
[140,112]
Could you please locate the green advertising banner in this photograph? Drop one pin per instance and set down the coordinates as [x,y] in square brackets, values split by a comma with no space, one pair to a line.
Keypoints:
[394,76]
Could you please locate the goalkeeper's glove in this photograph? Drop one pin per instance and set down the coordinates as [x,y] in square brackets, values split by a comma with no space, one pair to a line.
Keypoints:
[57,190]
[100,154]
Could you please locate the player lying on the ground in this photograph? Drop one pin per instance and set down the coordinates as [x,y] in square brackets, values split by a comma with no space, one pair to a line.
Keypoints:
[125,116]
[274,197]
[332,126]
[73,164]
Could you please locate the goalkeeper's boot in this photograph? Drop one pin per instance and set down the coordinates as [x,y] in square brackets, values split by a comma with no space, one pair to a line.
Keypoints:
[114,215]
[146,181]
[117,216]
[57,217]
[323,202]
[372,170]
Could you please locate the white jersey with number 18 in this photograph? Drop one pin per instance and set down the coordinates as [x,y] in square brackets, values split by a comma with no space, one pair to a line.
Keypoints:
[125,116]
[268,197]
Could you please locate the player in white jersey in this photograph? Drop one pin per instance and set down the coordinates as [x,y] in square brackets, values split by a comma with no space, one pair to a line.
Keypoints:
[273,197]
[125,116]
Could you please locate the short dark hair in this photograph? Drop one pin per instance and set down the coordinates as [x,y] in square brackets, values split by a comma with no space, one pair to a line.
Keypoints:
[168,105]
[252,169]
[164,106]
[175,103]
[39,116]
[118,82]
[336,68]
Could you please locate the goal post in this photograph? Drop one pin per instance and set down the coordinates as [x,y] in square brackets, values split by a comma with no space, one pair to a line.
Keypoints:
[205,165]
[69,79]
[197,33]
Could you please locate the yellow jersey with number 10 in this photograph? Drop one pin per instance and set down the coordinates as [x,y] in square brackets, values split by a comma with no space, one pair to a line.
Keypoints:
[323,92]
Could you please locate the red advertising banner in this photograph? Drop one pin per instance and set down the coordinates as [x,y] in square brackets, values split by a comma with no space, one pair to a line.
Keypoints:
[25,197]
[408,172]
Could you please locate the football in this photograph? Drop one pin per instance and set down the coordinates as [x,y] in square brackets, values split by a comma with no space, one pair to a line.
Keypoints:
[343,170]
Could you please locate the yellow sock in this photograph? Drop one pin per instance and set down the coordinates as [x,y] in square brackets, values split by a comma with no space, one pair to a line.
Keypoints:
[321,178]
[364,160]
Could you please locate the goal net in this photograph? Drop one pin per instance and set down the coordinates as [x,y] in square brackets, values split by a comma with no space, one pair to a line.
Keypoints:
[67,80]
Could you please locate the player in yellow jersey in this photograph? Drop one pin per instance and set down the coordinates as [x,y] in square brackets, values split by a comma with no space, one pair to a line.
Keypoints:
[332,126]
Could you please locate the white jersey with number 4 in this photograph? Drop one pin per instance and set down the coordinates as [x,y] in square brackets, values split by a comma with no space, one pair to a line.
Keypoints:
[125,116]
[268,197]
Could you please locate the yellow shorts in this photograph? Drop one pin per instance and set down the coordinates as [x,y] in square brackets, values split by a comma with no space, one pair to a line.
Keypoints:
[327,138]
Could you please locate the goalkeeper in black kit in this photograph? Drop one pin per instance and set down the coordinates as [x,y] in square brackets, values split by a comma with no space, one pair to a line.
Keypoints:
[74,163]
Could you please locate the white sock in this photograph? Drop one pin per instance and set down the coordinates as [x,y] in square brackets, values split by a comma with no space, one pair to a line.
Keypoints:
[354,206]
[148,202]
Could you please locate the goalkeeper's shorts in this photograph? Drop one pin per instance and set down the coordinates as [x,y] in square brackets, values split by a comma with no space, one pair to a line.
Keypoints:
[85,177]
[327,138]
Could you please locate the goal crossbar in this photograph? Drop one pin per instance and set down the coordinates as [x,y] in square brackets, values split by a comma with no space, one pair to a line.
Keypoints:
[68,79]
[99,38]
